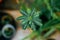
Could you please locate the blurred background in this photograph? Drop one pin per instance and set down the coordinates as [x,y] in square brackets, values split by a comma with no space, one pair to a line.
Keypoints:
[11,9]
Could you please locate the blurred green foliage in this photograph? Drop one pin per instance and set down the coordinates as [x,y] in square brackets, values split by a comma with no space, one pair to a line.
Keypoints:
[40,15]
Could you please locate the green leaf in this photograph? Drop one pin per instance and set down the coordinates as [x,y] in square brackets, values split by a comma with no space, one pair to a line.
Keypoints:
[55,4]
[33,11]
[25,26]
[36,14]
[38,22]
[24,21]
[28,11]
[33,26]
[21,17]
[23,12]
[51,23]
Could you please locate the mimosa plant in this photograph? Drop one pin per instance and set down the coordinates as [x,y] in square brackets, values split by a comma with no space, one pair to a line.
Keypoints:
[40,16]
